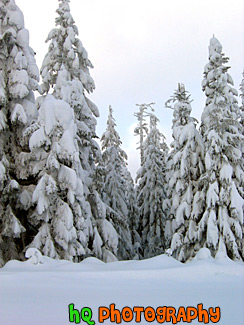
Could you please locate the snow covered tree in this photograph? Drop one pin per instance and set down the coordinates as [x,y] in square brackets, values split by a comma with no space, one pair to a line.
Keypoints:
[242,92]
[151,192]
[142,128]
[19,77]
[114,190]
[242,113]
[185,168]
[220,226]
[66,69]
[242,147]
[65,75]
[62,214]
[133,216]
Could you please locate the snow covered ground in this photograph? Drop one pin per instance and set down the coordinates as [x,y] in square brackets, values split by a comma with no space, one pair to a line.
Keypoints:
[40,294]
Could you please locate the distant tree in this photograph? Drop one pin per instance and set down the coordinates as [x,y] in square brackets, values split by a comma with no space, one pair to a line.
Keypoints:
[186,166]
[114,191]
[220,226]
[242,113]
[242,92]
[142,128]
[133,215]
[151,192]
[19,77]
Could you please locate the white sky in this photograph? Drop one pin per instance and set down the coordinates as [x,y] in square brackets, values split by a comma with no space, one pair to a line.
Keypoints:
[141,49]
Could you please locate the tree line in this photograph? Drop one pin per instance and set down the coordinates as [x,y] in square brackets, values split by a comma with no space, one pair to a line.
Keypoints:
[64,195]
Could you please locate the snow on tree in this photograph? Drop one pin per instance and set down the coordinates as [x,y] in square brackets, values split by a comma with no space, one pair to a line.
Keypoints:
[142,129]
[65,74]
[114,191]
[34,255]
[220,226]
[242,92]
[186,166]
[133,216]
[151,192]
[242,113]
[241,189]
[62,215]
[66,69]
[19,77]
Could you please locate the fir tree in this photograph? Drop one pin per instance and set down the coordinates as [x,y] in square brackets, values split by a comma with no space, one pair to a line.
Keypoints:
[133,216]
[242,113]
[62,214]
[220,190]
[65,74]
[242,92]
[186,166]
[151,192]
[142,130]
[241,188]
[66,69]
[115,191]
[19,77]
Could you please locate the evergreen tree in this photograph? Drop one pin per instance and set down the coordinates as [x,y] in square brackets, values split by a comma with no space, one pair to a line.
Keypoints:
[186,166]
[242,92]
[133,217]
[142,129]
[241,189]
[115,191]
[220,187]
[242,113]
[66,69]
[151,191]
[62,214]
[65,74]
[19,77]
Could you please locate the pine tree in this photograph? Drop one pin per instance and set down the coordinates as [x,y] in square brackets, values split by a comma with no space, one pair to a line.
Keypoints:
[142,130]
[66,69]
[133,217]
[65,74]
[114,190]
[186,166]
[151,191]
[62,214]
[220,226]
[241,189]
[242,113]
[19,77]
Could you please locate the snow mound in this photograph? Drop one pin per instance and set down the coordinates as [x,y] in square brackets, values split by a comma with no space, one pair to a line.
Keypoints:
[203,254]
[92,260]
[160,262]
[34,256]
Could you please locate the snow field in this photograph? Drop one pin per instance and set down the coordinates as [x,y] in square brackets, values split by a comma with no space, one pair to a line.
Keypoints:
[40,294]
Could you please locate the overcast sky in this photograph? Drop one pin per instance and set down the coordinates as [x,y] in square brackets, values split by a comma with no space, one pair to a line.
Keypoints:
[141,49]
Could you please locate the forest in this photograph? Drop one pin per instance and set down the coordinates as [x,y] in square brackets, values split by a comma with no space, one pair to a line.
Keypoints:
[70,198]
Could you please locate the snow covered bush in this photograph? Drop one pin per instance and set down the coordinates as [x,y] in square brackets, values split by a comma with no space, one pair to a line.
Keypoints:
[34,256]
